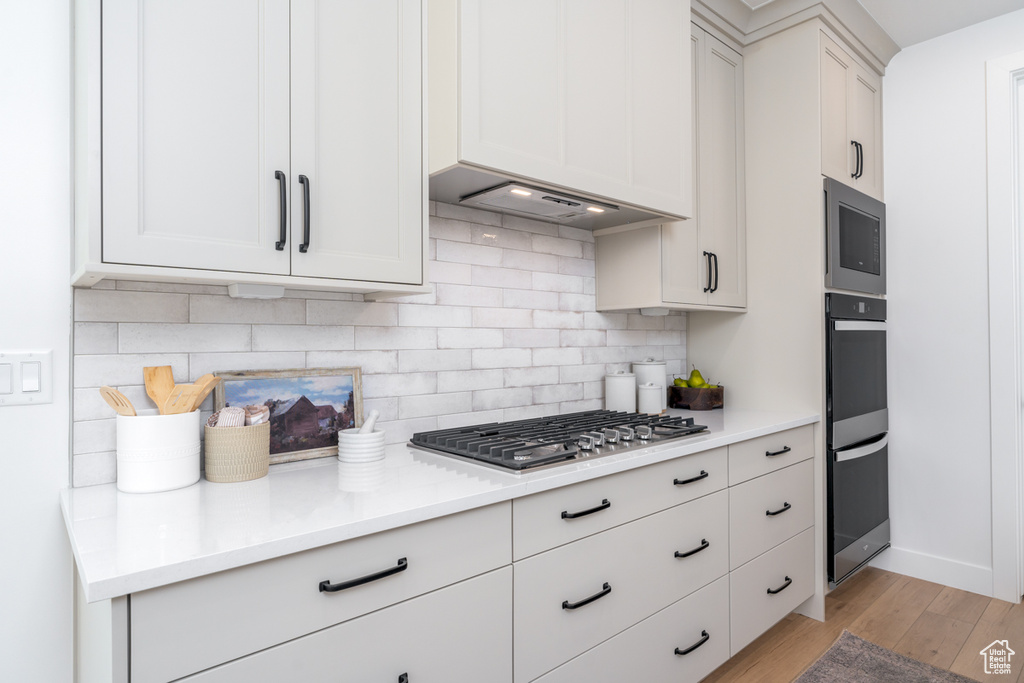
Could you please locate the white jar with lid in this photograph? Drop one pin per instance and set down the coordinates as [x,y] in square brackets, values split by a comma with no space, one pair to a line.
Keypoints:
[655,372]
[620,391]
[650,397]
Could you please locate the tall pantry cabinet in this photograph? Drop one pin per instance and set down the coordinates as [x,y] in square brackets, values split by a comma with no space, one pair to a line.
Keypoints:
[245,141]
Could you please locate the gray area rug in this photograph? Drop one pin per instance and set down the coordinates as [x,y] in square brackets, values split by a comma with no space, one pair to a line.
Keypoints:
[852,660]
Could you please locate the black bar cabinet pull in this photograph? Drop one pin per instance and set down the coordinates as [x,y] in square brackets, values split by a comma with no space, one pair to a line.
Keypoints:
[573,515]
[859,169]
[304,181]
[328,587]
[703,546]
[715,257]
[785,506]
[785,449]
[703,639]
[681,482]
[773,591]
[605,590]
[707,256]
[404,678]
[282,182]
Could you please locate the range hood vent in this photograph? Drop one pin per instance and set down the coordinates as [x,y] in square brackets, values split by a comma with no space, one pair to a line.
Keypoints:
[537,202]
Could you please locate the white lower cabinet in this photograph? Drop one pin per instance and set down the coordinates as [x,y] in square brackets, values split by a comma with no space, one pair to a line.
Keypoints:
[459,633]
[683,642]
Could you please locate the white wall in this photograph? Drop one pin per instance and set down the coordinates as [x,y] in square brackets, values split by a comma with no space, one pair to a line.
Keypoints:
[35,223]
[935,186]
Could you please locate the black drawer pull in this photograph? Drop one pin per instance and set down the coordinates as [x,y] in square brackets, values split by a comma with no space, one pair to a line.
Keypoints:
[304,181]
[785,449]
[404,678]
[328,587]
[780,588]
[703,639]
[704,545]
[605,590]
[785,506]
[573,515]
[282,182]
[681,482]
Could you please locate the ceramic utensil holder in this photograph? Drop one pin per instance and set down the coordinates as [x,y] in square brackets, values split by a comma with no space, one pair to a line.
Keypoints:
[157,452]
[236,454]
[356,447]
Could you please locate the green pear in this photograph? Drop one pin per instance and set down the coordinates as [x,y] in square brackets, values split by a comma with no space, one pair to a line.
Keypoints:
[680,382]
[696,379]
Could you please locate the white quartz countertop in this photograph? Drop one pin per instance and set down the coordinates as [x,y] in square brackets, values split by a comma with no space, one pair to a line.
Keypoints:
[128,542]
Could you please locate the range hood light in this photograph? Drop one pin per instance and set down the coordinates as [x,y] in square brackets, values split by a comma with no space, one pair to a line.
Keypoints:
[521,193]
[537,202]
[595,209]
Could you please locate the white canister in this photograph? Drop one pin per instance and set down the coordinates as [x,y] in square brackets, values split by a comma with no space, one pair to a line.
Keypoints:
[650,397]
[157,452]
[620,391]
[655,372]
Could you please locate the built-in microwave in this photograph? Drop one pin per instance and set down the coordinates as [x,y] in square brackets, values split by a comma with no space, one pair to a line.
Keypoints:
[854,239]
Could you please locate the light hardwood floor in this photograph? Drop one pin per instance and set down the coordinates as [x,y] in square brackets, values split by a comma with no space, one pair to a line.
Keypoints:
[944,627]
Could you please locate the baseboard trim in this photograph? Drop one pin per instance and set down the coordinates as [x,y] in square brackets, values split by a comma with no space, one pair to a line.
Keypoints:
[968,577]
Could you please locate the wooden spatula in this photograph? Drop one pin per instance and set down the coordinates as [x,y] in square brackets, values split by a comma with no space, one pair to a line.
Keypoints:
[206,384]
[118,401]
[180,400]
[159,383]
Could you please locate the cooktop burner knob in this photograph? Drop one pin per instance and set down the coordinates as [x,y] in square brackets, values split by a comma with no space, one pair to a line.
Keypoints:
[625,433]
[586,442]
[644,432]
[597,437]
[611,435]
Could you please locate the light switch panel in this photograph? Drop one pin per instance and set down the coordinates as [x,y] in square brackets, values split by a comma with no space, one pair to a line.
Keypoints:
[27,377]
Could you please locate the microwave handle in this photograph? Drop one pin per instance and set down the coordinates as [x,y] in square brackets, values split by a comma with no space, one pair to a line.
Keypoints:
[860,452]
[858,326]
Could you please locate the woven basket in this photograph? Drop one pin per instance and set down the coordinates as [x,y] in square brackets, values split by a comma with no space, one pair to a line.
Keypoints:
[237,453]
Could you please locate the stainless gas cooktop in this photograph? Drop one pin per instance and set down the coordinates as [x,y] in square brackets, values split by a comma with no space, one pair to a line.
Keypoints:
[528,445]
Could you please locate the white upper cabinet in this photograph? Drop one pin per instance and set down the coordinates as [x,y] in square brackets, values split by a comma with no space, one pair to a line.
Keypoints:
[851,120]
[589,96]
[701,262]
[257,141]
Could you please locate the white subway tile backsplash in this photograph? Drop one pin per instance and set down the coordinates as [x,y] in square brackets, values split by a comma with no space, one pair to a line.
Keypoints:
[399,384]
[469,380]
[207,308]
[530,377]
[434,404]
[93,338]
[509,331]
[302,337]
[418,315]
[179,337]
[111,305]
[369,362]
[202,363]
[125,368]
[396,338]
[427,361]
[475,338]
[375,314]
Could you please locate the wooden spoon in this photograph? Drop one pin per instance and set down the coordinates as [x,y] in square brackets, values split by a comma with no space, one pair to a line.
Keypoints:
[206,384]
[159,383]
[118,401]
[180,400]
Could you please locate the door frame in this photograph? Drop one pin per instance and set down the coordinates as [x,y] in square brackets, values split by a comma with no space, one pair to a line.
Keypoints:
[1005,142]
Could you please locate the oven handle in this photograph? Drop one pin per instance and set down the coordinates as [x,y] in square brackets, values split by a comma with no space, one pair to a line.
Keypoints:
[852,453]
[858,326]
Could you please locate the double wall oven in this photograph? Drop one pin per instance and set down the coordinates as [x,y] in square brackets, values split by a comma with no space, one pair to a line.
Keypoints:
[857,425]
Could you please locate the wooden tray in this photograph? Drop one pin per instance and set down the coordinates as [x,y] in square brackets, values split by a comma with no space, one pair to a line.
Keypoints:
[696,399]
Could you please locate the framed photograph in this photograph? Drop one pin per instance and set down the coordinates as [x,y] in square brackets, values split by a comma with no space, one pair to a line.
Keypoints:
[307,406]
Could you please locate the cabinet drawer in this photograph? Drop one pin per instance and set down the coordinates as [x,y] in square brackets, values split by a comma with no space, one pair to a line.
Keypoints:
[749,459]
[648,651]
[538,523]
[788,493]
[475,643]
[189,626]
[753,609]
[636,561]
